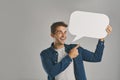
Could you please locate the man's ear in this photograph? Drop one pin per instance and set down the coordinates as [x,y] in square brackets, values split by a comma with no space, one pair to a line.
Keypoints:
[52,35]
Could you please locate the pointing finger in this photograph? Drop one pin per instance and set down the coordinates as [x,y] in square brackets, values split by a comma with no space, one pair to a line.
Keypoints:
[78,45]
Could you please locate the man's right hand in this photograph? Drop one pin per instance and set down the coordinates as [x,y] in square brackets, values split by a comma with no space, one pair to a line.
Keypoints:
[74,52]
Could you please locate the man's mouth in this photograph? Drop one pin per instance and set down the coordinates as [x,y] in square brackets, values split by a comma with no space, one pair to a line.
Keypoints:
[62,39]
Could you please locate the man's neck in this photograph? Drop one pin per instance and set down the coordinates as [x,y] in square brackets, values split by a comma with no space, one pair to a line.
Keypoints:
[58,46]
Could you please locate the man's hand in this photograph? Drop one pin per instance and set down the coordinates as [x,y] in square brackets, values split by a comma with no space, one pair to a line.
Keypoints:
[74,52]
[108,30]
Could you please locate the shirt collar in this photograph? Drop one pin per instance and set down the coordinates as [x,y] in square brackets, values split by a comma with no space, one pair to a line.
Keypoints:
[65,45]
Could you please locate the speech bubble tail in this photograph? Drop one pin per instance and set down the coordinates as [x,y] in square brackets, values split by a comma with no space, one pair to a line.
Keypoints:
[76,38]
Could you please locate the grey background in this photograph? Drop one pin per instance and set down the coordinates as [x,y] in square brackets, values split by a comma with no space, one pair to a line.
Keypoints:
[25,32]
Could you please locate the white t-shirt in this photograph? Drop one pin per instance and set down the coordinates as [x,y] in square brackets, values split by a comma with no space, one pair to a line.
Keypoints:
[68,73]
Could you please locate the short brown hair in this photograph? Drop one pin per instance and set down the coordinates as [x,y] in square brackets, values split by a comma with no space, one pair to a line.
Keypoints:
[57,24]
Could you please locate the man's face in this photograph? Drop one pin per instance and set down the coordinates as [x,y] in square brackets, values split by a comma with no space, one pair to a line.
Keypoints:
[60,35]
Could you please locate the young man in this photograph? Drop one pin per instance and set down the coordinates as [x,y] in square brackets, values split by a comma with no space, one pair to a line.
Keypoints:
[65,62]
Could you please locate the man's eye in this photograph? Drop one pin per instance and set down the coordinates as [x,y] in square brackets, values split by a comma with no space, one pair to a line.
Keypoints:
[65,32]
[60,32]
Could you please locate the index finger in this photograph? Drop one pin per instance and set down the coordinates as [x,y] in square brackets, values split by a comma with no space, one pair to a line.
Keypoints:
[78,45]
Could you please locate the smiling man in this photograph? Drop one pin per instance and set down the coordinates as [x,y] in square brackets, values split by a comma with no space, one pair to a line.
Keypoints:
[65,62]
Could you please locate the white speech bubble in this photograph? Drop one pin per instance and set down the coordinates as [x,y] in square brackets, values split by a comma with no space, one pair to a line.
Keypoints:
[88,24]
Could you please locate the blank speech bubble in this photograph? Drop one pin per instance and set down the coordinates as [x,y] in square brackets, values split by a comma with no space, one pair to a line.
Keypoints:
[88,24]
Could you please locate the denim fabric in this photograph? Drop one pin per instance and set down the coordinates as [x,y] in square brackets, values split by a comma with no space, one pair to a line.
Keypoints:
[53,67]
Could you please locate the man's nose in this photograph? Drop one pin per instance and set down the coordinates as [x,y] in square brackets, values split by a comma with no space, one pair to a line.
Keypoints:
[63,34]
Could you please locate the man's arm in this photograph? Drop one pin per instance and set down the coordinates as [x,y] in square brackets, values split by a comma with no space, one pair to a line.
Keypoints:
[54,69]
[93,56]
[97,55]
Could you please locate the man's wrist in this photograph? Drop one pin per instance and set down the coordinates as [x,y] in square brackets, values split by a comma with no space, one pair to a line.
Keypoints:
[102,39]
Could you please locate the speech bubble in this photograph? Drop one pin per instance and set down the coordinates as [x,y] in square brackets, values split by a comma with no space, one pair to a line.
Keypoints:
[88,24]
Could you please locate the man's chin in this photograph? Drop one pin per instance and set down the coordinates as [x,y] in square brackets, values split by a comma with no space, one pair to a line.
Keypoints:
[62,42]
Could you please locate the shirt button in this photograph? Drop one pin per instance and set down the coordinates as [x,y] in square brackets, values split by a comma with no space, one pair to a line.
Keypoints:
[102,43]
[55,61]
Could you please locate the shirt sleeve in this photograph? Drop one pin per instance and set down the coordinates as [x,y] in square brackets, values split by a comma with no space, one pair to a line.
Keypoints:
[54,69]
[93,56]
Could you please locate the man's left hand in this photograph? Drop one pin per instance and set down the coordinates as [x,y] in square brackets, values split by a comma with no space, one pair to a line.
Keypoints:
[108,30]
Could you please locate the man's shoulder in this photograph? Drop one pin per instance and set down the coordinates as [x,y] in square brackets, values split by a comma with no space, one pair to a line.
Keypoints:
[71,45]
[44,51]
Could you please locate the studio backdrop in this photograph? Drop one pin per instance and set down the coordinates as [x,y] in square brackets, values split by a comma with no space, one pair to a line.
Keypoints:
[25,32]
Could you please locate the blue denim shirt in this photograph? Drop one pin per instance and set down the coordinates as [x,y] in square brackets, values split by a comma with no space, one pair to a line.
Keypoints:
[52,67]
